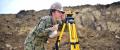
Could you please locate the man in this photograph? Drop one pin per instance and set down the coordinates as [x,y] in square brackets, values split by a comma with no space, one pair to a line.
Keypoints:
[47,27]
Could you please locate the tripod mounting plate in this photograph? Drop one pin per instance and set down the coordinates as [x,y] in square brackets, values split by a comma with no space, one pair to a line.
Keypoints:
[69,19]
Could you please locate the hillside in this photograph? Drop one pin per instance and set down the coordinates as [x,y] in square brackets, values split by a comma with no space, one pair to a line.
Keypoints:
[98,27]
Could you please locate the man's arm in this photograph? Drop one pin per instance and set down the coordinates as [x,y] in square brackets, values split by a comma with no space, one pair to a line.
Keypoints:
[41,29]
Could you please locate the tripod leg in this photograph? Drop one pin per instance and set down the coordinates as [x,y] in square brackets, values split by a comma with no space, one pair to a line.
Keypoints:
[74,43]
[61,33]
[76,37]
[70,33]
[59,37]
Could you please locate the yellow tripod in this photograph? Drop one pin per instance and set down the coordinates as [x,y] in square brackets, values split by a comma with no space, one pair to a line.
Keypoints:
[74,43]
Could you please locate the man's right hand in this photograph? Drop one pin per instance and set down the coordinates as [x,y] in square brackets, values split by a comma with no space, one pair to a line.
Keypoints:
[54,28]
[54,31]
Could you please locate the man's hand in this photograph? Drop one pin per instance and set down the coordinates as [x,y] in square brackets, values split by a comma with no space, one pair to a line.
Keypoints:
[54,28]
[54,31]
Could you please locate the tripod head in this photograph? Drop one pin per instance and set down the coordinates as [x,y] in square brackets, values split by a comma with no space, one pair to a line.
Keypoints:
[69,19]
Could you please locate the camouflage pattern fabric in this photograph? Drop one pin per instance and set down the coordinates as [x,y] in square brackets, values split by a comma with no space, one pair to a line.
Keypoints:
[37,38]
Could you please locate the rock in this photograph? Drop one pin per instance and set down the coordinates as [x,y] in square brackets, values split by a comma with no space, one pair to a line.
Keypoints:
[8,45]
[24,13]
[117,37]
[112,26]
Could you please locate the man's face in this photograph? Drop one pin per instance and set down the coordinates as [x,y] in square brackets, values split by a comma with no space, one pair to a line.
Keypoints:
[58,14]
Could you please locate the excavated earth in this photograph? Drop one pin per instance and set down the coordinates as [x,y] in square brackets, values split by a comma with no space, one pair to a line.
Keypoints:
[98,27]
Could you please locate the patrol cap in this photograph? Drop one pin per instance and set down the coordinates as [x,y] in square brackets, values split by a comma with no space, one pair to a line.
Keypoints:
[57,6]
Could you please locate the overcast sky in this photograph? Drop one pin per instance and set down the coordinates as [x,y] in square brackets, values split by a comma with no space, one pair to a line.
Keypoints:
[14,6]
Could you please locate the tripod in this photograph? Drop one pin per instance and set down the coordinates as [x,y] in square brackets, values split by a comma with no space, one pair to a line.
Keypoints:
[74,43]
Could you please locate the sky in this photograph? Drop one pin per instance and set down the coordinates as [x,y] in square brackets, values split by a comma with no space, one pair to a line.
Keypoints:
[14,6]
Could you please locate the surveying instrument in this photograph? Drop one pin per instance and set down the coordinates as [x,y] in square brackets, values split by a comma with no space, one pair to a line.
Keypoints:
[74,43]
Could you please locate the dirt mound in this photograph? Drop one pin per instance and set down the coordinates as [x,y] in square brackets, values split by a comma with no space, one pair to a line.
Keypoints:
[98,27]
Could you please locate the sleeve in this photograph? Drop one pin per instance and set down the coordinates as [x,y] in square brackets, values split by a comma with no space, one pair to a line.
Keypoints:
[41,29]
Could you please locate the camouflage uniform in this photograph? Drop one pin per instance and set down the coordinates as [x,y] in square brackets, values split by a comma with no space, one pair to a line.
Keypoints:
[38,37]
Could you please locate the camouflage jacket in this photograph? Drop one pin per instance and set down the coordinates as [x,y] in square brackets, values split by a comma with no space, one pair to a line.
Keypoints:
[40,33]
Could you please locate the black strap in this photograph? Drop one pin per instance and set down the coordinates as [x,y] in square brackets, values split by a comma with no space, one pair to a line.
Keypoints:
[56,44]
[74,43]
[52,20]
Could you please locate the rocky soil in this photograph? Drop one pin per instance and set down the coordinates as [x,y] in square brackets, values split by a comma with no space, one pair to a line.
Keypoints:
[98,27]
